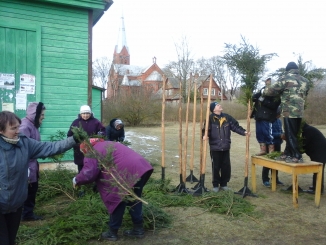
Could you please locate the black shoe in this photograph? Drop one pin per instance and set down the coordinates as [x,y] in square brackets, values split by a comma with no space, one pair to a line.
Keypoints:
[32,218]
[310,191]
[137,232]
[311,188]
[110,235]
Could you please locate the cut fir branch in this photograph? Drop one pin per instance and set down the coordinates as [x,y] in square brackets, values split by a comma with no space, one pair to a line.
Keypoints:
[121,180]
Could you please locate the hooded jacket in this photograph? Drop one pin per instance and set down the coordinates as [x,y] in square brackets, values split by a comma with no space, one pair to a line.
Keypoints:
[29,127]
[14,159]
[219,131]
[127,162]
[113,134]
[92,126]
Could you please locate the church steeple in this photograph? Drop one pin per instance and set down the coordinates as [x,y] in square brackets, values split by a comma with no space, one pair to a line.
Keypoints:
[121,51]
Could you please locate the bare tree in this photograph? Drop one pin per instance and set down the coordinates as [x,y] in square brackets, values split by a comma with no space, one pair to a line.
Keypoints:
[184,65]
[101,69]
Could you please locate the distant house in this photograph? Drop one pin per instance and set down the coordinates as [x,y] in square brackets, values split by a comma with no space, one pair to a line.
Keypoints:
[202,83]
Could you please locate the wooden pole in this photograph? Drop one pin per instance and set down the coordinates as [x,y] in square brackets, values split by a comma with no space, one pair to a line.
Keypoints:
[191,178]
[193,127]
[245,191]
[206,124]
[184,162]
[180,128]
[163,128]
[247,139]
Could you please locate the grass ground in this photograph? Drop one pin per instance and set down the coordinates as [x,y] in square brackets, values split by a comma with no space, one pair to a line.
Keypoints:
[275,222]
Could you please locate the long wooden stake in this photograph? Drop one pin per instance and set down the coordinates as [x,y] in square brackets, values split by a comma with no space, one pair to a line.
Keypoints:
[247,139]
[206,124]
[193,127]
[184,162]
[180,128]
[163,128]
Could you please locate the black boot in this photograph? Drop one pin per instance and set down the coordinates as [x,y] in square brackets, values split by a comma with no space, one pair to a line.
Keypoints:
[137,231]
[110,235]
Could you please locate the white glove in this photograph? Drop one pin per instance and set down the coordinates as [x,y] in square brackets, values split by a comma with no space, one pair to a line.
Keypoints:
[74,183]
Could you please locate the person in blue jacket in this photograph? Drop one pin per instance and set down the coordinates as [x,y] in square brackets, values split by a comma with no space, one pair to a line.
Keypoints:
[15,152]
[115,130]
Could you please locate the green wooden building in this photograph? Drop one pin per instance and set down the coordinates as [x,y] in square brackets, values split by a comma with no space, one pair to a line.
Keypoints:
[46,55]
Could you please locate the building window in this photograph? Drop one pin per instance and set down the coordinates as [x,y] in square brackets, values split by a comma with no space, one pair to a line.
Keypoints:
[205,91]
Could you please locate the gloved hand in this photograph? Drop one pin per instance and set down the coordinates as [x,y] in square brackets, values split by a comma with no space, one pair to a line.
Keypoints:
[74,183]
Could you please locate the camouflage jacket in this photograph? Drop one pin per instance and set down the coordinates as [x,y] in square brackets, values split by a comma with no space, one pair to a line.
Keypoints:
[293,89]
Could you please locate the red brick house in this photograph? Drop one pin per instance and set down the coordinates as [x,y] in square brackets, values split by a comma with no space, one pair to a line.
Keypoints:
[203,85]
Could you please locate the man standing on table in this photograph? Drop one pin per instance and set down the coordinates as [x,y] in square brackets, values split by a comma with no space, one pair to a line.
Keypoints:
[293,89]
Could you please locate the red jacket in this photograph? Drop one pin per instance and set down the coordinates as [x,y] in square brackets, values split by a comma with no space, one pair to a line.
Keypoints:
[128,162]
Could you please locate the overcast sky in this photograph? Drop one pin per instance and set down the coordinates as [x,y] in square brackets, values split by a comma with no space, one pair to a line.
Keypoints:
[154,26]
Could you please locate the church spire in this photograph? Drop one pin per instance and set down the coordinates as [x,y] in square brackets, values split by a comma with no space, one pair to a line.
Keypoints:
[121,52]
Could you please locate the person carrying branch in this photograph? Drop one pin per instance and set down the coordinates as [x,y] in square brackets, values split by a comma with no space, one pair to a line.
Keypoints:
[220,126]
[128,167]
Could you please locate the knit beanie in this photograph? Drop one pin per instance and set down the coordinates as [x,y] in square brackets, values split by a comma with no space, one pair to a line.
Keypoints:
[118,122]
[291,65]
[212,106]
[85,109]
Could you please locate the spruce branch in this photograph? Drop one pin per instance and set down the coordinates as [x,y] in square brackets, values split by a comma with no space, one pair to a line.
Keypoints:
[122,180]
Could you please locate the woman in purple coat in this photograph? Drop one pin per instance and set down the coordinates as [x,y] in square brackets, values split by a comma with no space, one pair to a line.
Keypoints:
[90,125]
[128,163]
[30,127]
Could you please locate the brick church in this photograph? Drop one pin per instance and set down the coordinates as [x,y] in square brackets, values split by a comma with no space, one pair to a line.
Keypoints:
[123,76]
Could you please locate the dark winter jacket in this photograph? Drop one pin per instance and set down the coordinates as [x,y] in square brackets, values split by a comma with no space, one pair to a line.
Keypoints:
[29,129]
[113,134]
[92,126]
[219,131]
[265,107]
[14,160]
[129,164]
[314,143]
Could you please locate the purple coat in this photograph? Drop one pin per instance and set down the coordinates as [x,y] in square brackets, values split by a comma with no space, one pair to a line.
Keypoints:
[92,126]
[28,128]
[127,161]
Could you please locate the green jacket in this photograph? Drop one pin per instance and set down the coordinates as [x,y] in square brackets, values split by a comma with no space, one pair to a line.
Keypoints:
[292,89]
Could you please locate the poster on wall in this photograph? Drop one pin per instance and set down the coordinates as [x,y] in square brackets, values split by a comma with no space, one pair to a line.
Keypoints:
[7,81]
[8,107]
[27,84]
[21,101]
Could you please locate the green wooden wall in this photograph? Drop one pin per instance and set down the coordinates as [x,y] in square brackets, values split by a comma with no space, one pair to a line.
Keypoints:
[96,103]
[63,56]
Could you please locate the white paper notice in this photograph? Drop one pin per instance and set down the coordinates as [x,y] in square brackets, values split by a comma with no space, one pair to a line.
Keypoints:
[21,101]
[27,84]
[8,107]
[7,81]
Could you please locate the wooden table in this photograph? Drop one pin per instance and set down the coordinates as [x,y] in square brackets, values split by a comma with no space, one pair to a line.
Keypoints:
[291,168]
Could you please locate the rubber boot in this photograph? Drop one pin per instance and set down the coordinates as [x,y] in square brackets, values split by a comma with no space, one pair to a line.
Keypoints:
[137,231]
[262,149]
[110,235]
[271,148]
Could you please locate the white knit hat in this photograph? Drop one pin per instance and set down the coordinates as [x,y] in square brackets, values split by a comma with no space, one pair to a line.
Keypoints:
[85,109]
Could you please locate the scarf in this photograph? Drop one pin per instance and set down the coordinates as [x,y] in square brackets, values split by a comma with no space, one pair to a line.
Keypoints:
[10,141]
